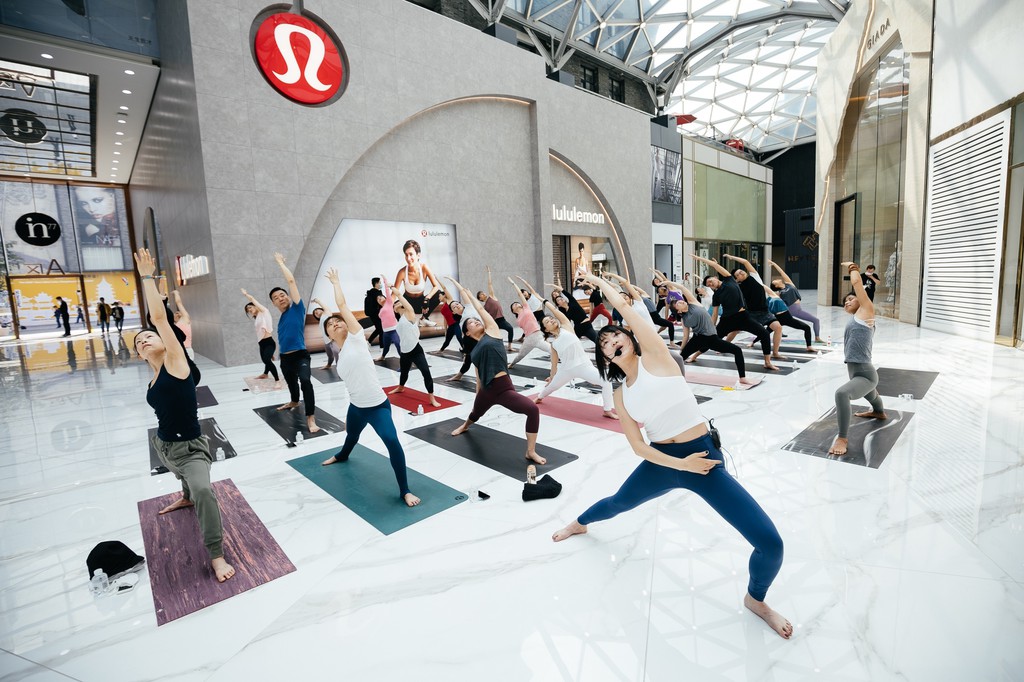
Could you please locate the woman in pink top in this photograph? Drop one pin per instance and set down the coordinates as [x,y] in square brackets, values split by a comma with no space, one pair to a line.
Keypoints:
[264,335]
[388,321]
[533,337]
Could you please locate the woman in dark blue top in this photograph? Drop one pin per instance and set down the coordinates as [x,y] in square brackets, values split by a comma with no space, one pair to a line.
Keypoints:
[179,442]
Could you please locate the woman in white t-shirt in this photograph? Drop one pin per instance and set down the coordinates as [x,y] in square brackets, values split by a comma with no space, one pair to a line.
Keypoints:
[264,335]
[410,351]
[367,402]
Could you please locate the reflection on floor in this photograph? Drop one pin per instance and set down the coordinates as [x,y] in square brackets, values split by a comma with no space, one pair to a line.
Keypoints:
[910,571]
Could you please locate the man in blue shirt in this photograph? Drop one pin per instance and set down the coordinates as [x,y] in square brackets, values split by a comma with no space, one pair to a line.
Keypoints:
[291,337]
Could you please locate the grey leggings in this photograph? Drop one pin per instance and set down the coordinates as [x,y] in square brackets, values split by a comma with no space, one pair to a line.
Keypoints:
[863,379]
[798,312]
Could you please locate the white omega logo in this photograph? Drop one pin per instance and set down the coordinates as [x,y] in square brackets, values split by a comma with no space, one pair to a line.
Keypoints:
[282,35]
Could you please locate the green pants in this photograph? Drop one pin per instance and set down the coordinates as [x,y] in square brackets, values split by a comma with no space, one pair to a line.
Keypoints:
[189,461]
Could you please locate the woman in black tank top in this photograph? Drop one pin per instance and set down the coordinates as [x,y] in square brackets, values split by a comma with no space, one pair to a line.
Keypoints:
[179,442]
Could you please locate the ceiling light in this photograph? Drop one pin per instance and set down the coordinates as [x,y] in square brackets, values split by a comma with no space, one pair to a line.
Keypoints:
[115,161]
[119,133]
[117,153]
[118,143]
[126,92]
[46,56]
[129,72]
[123,108]
[120,120]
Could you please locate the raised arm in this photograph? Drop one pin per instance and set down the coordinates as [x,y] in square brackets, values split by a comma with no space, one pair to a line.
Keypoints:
[174,354]
[519,293]
[407,312]
[490,284]
[744,263]
[339,298]
[293,288]
[782,273]
[867,307]
[713,264]
[181,308]
[628,286]
[445,294]
[642,328]
[687,294]
[254,301]
[769,292]
[558,314]
[490,326]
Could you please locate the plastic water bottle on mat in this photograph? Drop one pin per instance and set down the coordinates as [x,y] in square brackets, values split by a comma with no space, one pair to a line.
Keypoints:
[220,454]
[298,438]
[419,410]
[99,582]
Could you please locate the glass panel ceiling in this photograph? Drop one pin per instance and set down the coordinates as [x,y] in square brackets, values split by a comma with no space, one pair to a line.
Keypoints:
[744,68]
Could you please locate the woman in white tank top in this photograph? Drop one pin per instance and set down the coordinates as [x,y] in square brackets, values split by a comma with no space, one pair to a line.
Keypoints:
[681,453]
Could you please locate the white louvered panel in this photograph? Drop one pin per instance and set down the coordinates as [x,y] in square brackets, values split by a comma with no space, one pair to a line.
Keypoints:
[964,229]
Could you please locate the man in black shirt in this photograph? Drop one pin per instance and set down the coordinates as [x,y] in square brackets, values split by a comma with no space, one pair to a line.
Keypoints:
[870,281]
[64,315]
[371,308]
[752,286]
[734,312]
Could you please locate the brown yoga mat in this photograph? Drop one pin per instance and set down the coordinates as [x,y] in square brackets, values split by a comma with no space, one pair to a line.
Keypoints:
[179,566]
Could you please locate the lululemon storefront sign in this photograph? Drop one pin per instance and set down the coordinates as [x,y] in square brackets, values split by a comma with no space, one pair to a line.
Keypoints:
[190,267]
[574,215]
[299,55]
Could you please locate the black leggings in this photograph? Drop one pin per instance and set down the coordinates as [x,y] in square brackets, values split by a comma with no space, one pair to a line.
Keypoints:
[786,319]
[468,344]
[295,367]
[415,357]
[699,344]
[417,303]
[453,330]
[503,323]
[662,322]
[267,348]
[585,330]
[743,321]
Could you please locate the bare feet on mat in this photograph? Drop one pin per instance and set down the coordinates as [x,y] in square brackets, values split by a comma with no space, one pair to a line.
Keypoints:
[537,400]
[180,503]
[534,457]
[573,528]
[311,424]
[610,414]
[434,402]
[332,460]
[222,569]
[287,406]
[779,356]
[411,500]
[747,381]
[326,367]
[769,365]
[261,377]
[456,377]
[871,414]
[839,446]
[692,359]
[397,389]
[817,339]
[768,615]
[461,430]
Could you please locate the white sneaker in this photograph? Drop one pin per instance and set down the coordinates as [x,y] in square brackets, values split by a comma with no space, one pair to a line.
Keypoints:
[424,322]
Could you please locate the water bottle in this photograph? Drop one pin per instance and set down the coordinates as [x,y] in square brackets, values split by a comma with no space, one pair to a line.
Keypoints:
[829,340]
[298,438]
[220,454]
[419,410]
[99,582]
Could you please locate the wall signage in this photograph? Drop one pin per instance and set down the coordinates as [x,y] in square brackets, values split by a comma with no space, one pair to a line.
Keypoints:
[22,126]
[299,55]
[189,267]
[37,229]
[574,215]
[876,38]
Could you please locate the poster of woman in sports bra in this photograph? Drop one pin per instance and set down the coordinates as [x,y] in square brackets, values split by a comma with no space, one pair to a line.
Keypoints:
[417,282]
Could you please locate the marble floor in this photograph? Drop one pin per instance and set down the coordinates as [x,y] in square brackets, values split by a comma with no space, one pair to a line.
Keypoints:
[911,571]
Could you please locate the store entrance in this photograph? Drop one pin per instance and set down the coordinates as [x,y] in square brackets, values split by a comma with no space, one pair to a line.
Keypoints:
[34,306]
[846,243]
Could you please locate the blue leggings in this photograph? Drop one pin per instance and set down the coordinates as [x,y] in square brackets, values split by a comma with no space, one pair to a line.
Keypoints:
[378,417]
[386,339]
[719,489]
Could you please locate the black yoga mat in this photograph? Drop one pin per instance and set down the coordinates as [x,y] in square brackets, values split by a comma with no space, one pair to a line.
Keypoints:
[325,376]
[755,366]
[893,382]
[539,375]
[210,429]
[204,397]
[287,423]
[493,449]
[391,362]
[871,440]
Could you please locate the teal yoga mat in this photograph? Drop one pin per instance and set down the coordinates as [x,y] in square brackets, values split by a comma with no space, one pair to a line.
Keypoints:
[366,485]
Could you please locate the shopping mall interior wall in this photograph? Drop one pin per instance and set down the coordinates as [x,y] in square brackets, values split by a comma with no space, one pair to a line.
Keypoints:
[793,187]
[978,53]
[169,177]
[281,177]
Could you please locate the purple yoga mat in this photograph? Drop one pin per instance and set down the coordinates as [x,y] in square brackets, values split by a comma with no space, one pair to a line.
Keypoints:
[179,567]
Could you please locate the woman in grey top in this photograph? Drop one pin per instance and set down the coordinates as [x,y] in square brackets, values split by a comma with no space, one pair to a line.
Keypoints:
[857,340]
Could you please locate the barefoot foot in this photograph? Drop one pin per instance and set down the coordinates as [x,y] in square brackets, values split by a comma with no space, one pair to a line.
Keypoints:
[411,500]
[311,424]
[397,389]
[287,406]
[332,460]
[839,446]
[775,621]
[534,457]
[461,430]
[770,366]
[181,503]
[610,414]
[434,402]
[871,414]
[747,381]
[573,528]
[261,377]
[222,569]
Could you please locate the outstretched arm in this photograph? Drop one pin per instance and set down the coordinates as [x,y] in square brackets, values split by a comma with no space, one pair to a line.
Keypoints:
[174,355]
[782,273]
[690,298]
[254,301]
[490,284]
[181,308]
[628,286]
[714,265]
[339,298]
[407,312]
[293,288]
[445,295]
[490,326]
[867,307]
[519,293]
[744,263]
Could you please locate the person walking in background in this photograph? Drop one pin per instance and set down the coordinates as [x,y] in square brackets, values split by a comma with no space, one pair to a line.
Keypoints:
[371,308]
[103,313]
[63,316]
[117,313]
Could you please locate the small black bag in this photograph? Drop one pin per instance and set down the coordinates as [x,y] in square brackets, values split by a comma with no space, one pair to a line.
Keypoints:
[114,557]
[545,487]
[716,437]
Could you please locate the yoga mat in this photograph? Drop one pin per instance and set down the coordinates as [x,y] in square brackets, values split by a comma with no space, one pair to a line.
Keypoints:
[204,397]
[580,413]
[392,363]
[466,383]
[540,375]
[493,449]
[325,376]
[706,379]
[410,399]
[210,428]
[751,367]
[179,566]
[366,485]
[701,399]
[892,382]
[754,355]
[288,422]
[450,354]
[267,385]
[870,439]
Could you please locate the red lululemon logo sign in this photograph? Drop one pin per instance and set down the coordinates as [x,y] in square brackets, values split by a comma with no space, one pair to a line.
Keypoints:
[299,55]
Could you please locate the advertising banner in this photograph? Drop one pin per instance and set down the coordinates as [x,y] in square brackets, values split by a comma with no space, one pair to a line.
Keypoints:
[666,176]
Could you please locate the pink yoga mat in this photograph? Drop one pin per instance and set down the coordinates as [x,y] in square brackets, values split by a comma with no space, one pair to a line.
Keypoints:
[179,566]
[581,413]
[720,380]
[267,385]
[410,399]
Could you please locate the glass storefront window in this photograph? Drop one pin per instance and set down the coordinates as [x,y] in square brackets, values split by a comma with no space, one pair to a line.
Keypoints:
[727,206]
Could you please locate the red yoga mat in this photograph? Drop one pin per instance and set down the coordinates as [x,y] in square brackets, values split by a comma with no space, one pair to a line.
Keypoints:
[179,566]
[720,380]
[410,399]
[581,413]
